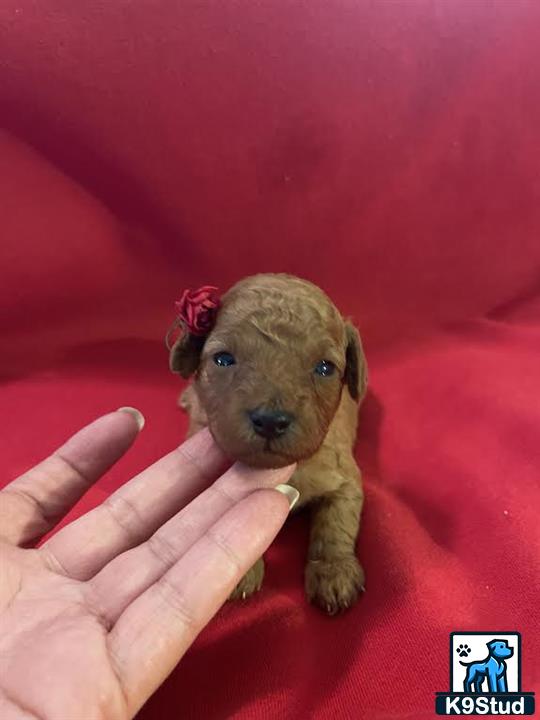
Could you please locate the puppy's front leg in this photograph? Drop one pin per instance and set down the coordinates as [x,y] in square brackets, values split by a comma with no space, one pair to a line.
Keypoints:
[334,578]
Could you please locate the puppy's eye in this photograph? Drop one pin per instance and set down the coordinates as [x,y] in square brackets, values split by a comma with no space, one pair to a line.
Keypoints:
[325,368]
[224,359]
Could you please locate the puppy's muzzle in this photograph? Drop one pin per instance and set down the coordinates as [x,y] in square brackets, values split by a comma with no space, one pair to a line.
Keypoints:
[270,424]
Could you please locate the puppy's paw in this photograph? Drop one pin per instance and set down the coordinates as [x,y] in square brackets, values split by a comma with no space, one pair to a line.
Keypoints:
[250,583]
[334,585]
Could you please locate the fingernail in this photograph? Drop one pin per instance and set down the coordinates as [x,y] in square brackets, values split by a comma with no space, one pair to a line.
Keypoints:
[290,492]
[137,414]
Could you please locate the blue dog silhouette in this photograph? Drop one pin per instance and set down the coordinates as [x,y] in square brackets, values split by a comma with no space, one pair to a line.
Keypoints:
[493,668]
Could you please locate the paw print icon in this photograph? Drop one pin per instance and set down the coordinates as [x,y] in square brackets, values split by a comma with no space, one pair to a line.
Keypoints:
[463,650]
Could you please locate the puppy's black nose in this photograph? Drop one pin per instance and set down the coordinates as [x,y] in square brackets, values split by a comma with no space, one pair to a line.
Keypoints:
[270,423]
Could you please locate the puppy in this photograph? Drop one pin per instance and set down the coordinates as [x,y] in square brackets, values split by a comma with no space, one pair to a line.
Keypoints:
[278,378]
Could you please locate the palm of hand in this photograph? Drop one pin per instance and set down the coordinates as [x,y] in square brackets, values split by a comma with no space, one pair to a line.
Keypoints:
[62,639]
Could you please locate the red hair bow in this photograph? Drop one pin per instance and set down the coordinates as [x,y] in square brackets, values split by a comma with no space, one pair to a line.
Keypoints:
[197,309]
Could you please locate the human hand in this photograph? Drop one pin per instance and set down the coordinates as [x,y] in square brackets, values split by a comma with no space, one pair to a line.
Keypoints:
[94,620]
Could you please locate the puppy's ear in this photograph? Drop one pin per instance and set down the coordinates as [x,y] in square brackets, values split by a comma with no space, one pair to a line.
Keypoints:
[185,354]
[356,377]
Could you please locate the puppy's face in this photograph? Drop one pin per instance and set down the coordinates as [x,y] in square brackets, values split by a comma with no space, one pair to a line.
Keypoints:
[271,373]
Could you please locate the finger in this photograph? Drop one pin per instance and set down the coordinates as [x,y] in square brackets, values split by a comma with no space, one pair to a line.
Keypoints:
[32,504]
[157,628]
[130,574]
[131,514]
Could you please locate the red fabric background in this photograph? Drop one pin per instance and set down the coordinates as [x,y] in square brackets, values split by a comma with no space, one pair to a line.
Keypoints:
[389,151]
